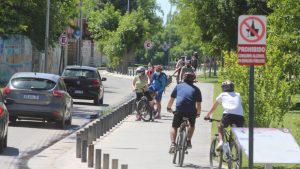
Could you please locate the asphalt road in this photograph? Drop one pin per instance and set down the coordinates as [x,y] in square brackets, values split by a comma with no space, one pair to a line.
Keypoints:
[27,138]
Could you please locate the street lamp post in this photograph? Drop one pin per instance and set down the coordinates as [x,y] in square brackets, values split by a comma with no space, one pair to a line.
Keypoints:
[47,35]
[79,59]
[128,4]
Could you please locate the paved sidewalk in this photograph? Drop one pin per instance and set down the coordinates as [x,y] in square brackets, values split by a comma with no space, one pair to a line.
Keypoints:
[141,145]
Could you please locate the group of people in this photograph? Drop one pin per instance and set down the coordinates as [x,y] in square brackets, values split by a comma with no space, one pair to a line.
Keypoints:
[147,82]
[188,99]
[185,64]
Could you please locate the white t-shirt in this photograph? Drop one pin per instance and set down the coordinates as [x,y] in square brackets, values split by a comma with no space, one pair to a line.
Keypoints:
[231,102]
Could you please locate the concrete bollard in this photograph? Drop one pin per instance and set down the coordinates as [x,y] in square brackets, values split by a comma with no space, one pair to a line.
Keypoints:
[85,134]
[91,156]
[105,161]
[124,166]
[78,144]
[98,159]
[98,129]
[101,126]
[95,131]
[83,151]
[114,164]
[90,135]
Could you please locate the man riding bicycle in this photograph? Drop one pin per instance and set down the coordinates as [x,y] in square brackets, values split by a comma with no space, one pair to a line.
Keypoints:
[140,86]
[188,104]
[233,111]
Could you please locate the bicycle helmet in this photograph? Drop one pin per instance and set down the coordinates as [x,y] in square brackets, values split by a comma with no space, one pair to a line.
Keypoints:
[189,77]
[140,70]
[227,86]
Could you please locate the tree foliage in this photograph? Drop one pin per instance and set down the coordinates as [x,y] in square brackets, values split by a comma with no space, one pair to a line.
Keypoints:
[29,18]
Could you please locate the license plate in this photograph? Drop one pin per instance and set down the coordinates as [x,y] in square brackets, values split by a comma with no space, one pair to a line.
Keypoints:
[78,92]
[31,97]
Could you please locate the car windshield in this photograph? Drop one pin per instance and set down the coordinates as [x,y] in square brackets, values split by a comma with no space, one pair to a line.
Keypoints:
[79,73]
[33,83]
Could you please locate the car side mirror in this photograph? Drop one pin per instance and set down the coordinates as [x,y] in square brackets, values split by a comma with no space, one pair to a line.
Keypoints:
[103,79]
[8,101]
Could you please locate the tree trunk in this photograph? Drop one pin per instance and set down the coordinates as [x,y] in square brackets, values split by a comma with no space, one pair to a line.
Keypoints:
[210,65]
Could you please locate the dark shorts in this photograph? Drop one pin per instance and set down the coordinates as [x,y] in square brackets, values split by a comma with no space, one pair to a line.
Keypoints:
[177,119]
[229,119]
[158,96]
[140,95]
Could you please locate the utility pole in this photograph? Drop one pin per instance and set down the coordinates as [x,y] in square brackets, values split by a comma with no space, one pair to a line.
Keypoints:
[80,36]
[47,35]
[128,4]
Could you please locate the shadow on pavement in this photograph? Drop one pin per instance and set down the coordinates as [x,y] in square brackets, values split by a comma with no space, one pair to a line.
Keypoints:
[40,125]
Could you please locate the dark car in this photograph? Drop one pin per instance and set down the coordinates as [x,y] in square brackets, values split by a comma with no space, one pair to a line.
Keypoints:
[3,123]
[84,82]
[38,96]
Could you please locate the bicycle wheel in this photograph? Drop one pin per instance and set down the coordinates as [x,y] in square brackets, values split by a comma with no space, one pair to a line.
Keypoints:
[176,150]
[182,147]
[236,156]
[143,109]
[215,156]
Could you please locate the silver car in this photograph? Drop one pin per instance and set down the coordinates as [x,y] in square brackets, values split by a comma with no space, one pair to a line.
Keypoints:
[38,96]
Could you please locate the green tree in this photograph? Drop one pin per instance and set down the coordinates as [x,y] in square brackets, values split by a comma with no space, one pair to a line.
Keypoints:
[28,18]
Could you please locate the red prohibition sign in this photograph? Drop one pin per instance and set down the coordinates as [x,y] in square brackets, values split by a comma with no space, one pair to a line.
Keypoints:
[258,37]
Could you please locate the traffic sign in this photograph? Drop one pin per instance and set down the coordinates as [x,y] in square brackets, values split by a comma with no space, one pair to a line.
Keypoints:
[252,40]
[148,44]
[63,39]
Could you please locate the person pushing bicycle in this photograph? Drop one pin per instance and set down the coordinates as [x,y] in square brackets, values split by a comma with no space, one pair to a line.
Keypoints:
[233,111]
[140,86]
[188,104]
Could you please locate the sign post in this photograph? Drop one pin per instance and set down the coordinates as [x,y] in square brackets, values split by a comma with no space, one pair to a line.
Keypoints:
[251,51]
[63,40]
[148,44]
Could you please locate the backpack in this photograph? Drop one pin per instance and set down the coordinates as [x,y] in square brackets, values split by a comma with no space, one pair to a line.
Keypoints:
[157,86]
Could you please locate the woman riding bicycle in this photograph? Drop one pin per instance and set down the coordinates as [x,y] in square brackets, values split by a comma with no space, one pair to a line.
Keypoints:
[233,111]
[140,86]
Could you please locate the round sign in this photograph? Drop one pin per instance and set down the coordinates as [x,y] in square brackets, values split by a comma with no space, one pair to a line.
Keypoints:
[148,44]
[63,39]
[252,29]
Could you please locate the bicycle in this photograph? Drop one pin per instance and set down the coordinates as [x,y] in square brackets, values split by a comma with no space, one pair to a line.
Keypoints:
[181,142]
[230,152]
[144,109]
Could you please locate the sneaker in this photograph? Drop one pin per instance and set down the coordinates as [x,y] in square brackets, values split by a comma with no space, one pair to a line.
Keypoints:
[219,146]
[172,148]
[188,144]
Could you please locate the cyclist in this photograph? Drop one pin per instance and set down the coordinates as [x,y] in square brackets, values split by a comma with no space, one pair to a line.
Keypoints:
[188,104]
[186,68]
[179,65]
[232,105]
[158,84]
[140,86]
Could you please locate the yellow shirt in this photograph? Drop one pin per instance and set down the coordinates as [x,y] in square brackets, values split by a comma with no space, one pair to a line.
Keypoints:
[141,83]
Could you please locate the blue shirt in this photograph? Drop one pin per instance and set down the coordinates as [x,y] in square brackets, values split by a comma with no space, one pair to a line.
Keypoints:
[186,97]
[158,82]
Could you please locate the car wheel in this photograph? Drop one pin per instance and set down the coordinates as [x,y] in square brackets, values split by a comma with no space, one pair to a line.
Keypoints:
[101,100]
[97,101]
[69,121]
[12,119]
[5,141]
[62,122]
[1,145]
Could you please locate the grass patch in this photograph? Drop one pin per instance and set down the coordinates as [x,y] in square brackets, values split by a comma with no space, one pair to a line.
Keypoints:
[205,79]
[291,121]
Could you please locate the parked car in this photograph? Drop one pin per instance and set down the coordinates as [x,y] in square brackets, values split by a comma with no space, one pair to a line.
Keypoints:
[3,123]
[84,82]
[38,96]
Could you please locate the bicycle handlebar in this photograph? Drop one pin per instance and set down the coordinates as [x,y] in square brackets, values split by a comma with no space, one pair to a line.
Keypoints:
[211,120]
